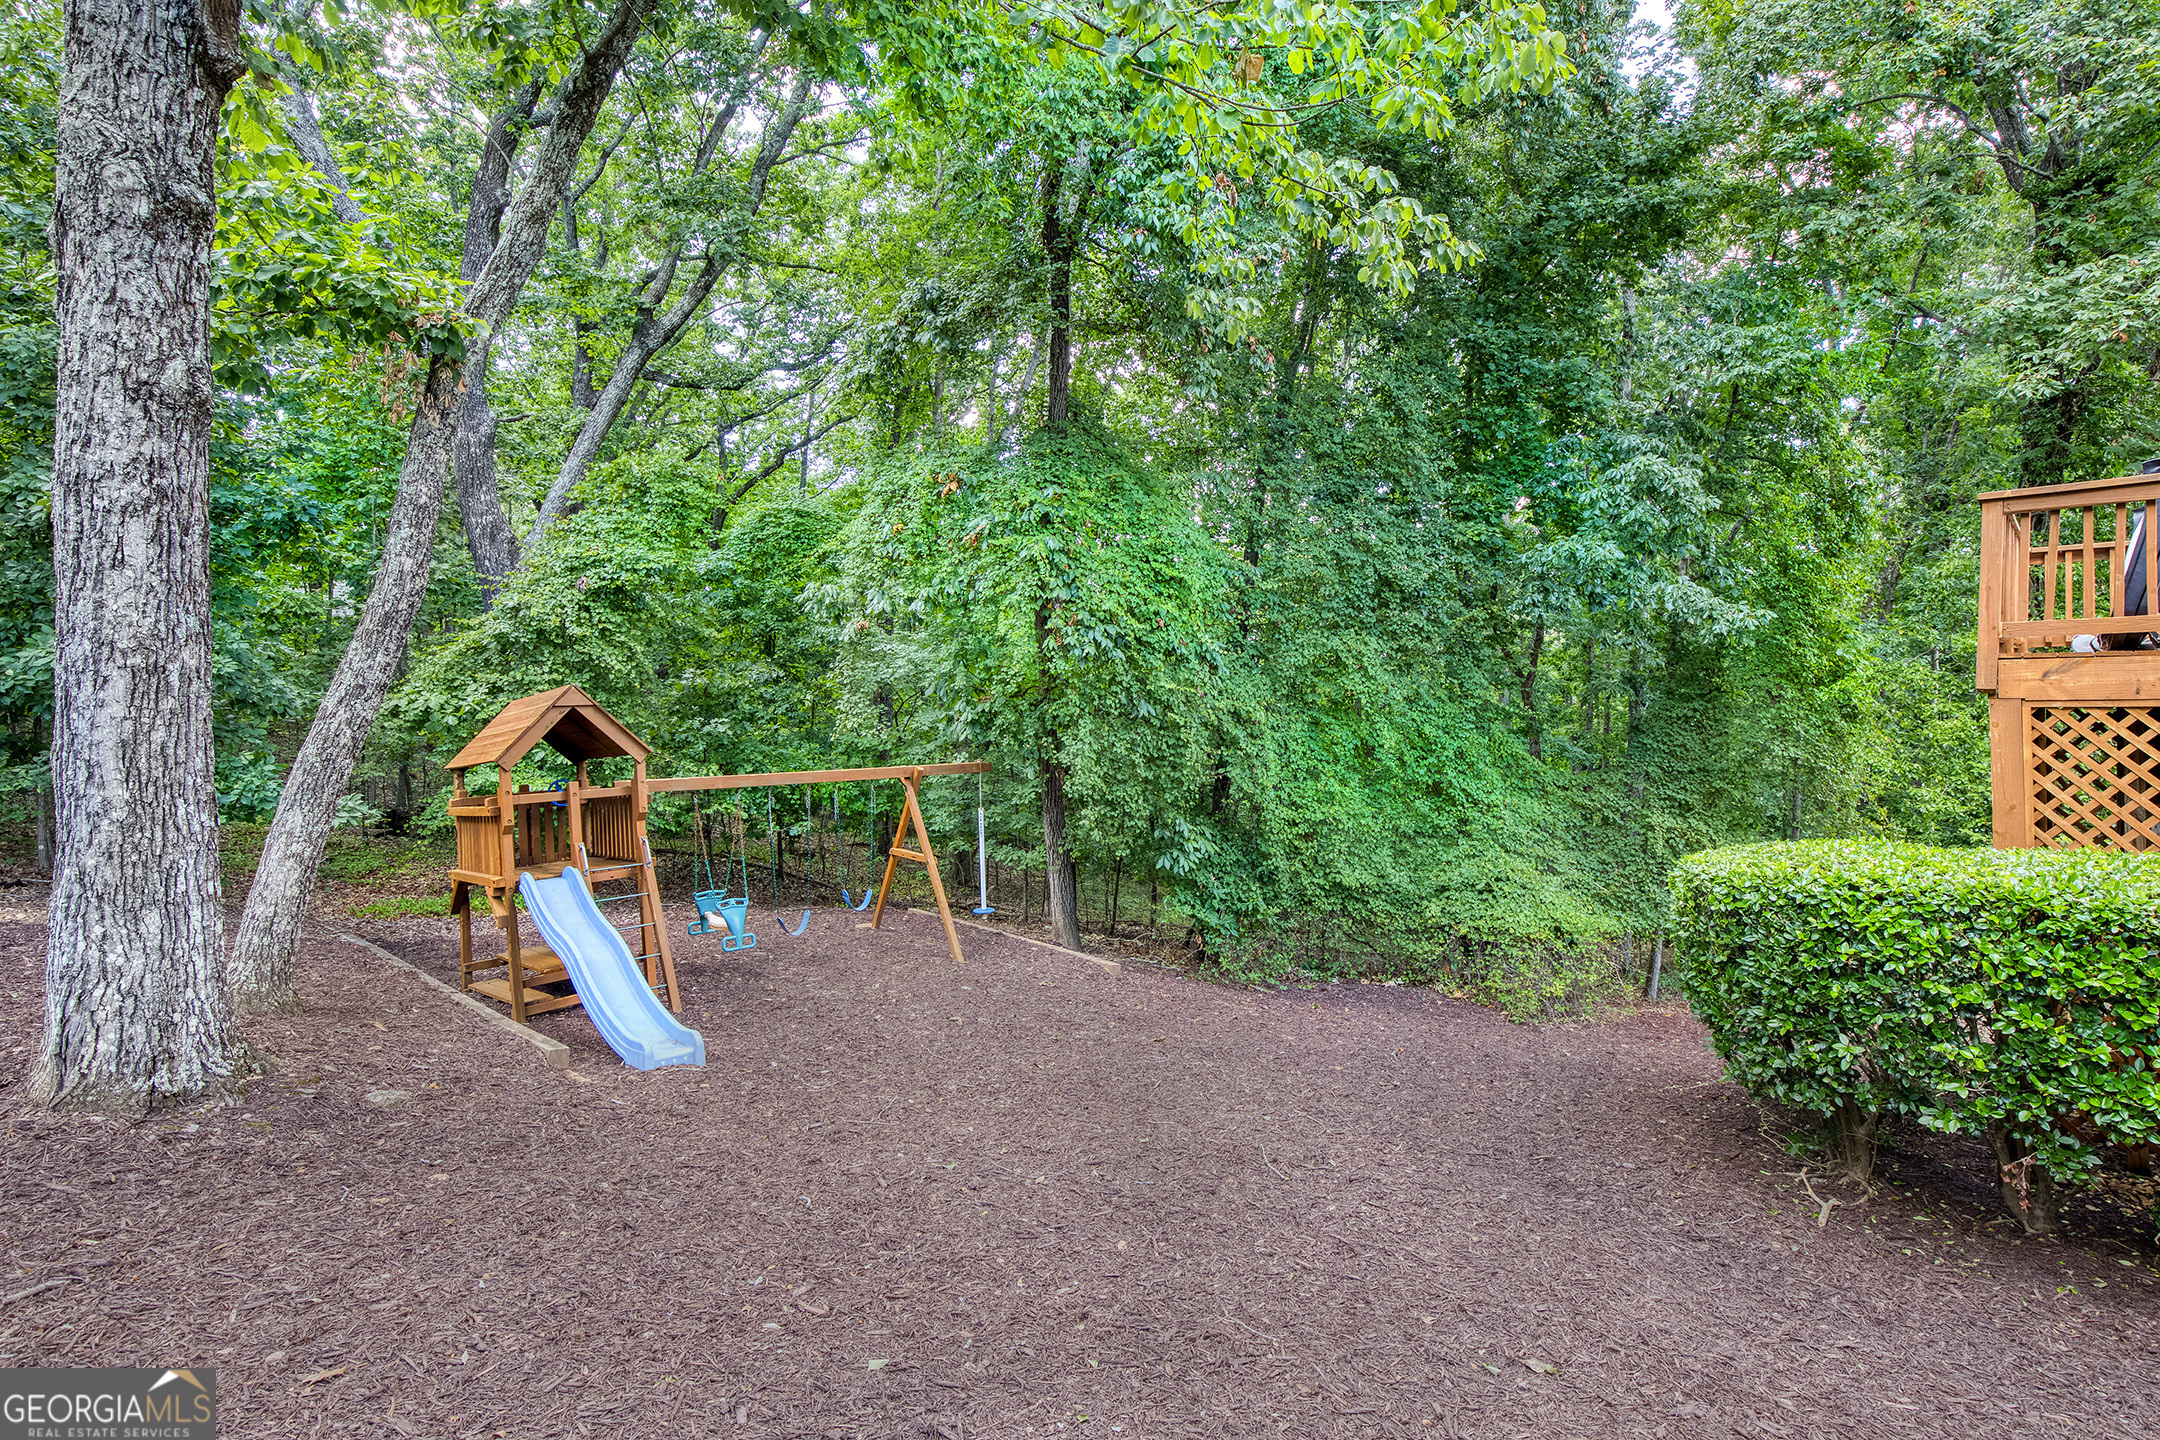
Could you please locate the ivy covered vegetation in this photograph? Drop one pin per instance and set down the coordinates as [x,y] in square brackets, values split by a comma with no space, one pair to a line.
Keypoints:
[1389,542]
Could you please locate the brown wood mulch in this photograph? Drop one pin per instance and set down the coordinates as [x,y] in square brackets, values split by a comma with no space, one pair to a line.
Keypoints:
[1028,1197]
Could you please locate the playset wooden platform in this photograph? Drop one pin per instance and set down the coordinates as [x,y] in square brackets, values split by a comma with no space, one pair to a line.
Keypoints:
[2073,729]
[600,829]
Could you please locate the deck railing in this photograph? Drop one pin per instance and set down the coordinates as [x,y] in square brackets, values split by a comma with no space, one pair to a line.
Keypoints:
[2052,564]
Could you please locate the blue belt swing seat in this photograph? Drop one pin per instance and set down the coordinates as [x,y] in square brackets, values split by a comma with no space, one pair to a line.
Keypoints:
[712,903]
[869,893]
[772,826]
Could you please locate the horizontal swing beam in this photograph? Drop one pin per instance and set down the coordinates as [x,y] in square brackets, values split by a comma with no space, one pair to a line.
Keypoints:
[814,777]
[485,804]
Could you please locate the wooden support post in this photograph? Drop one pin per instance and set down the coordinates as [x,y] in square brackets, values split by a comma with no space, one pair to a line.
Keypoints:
[461,902]
[892,863]
[1998,567]
[2010,785]
[657,920]
[512,952]
[573,812]
[911,816]
[653,937]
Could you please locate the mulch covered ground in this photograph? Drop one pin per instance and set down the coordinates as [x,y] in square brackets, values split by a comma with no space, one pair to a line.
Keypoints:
[1029,1197]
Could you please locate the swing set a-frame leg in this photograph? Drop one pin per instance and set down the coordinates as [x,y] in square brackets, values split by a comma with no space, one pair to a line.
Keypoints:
[911,818]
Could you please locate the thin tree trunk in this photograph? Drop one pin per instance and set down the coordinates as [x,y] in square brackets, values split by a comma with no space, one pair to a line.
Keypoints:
[45,827]
[1065,213]
[582,394]
[993,408]
[134,1012]
[1589,711]
[261,968]
[1027,382]
[1528,675]
[2028,1191]
[1060,884]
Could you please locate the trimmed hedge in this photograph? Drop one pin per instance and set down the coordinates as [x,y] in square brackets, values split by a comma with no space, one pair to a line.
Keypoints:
[2001,992]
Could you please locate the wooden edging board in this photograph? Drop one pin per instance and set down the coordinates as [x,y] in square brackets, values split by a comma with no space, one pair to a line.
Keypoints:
[554,1052]
[1109,967]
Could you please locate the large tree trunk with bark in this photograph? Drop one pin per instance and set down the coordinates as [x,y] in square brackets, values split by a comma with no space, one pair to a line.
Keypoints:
[135,1014]
[261,968]
[1067,194]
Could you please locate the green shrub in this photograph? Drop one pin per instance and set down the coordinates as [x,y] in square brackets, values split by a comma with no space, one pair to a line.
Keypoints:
[397,907]
[1530,978]
[1531,983]
[2012,993]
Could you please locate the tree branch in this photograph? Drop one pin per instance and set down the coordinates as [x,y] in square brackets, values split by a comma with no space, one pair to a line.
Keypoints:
[305,127]
[773,466]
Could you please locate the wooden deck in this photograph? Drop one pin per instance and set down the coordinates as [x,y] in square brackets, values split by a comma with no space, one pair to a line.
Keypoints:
[2073,736]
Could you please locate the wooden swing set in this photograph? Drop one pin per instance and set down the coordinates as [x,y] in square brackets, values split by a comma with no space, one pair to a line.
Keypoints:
[545,832]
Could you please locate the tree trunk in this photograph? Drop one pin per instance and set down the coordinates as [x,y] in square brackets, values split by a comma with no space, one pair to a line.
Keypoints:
[305,128]
[1638,686]
[134,1012]
[1065,211]
[261,967]
[2028,1191]
[1027,384]
[1589,709]
[1528,675]
[488,536]
[45,826]
[1060,883]
[1850,1134]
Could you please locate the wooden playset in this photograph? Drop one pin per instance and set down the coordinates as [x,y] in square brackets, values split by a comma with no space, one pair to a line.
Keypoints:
[2073,692]
[600,829]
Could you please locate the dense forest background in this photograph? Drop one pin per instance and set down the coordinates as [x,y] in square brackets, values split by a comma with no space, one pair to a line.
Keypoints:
[1350,612]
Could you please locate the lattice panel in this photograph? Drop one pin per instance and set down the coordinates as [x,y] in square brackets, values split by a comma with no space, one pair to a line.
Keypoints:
[2094,776]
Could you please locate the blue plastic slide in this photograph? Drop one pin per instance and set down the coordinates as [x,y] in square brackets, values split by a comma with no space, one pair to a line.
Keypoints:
[622,1006]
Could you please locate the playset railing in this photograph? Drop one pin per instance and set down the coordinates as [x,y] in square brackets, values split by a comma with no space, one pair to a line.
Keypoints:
[2053,564]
